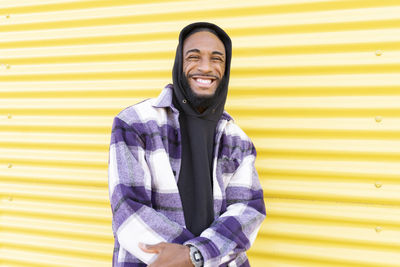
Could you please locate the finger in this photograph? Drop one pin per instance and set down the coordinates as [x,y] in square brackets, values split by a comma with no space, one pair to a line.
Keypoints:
[150,248]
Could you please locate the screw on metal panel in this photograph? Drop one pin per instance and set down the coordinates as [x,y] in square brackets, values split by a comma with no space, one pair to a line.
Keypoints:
[8,66]
[10,198]
[378,118]
[9,165]
[378,53]
[7,16]
[378,229]
[378,184]
[9,116]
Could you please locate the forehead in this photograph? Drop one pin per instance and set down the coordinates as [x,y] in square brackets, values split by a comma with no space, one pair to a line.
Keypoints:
[203,41]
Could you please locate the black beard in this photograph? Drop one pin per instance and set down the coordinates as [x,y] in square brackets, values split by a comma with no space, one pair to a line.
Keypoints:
[201,102]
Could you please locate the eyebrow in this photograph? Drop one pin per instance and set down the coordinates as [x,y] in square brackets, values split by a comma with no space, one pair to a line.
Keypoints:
[193,50]
[198,51]
[218,53]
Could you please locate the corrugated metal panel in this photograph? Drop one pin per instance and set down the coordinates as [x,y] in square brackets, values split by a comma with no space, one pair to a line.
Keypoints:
[315,83]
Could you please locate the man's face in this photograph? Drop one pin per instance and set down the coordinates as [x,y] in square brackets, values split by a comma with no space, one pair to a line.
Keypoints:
[203,62]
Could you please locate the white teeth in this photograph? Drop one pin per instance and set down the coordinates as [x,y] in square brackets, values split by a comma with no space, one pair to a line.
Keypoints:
[203,81]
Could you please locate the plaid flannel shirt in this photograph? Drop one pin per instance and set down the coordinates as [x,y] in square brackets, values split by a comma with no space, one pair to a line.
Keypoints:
[144,164]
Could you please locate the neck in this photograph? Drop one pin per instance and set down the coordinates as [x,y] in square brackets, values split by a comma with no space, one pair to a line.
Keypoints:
[201,109]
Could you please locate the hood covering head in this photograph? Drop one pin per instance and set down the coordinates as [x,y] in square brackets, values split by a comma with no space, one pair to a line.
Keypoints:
[214,105]
[195,181]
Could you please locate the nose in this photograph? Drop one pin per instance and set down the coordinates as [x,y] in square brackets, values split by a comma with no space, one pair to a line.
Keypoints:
[204,65]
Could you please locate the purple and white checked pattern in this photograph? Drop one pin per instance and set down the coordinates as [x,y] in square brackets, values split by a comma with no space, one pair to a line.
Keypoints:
[144,163]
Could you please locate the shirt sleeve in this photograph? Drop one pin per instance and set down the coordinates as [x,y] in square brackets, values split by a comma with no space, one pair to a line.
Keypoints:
[134,219]
[234,231]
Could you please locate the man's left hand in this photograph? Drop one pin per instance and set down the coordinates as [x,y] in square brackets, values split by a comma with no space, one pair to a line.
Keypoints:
[169,254]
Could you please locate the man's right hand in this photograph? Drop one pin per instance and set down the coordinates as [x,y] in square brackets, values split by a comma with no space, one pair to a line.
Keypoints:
[169,254]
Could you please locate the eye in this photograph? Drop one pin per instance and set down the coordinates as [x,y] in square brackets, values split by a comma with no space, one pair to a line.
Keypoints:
[193,57]
[217,59]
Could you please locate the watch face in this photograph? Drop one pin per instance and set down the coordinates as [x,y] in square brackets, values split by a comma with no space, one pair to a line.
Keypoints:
[196,256]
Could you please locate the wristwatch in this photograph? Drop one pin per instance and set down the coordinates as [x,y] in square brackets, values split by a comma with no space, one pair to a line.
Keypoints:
[195,256]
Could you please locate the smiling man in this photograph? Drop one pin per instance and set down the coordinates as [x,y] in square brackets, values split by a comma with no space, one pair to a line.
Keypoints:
[183,187]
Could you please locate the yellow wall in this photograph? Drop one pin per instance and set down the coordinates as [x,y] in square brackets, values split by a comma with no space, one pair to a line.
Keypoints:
[315,83]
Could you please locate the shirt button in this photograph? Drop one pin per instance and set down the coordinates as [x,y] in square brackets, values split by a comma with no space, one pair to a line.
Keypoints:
[184,101]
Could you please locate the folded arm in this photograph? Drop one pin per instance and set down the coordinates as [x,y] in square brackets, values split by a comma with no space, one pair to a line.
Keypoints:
[134,218]
[234,230]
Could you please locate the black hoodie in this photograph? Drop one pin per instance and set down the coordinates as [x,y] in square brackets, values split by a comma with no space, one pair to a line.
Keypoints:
[198,135]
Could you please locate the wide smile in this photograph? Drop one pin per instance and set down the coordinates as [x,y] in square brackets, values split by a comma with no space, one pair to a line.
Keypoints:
[204,82]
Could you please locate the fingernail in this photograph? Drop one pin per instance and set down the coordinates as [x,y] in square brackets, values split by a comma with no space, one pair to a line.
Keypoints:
[142,245]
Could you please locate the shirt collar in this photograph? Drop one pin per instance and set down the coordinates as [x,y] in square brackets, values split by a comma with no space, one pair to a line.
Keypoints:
[226,116]
[164,100]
